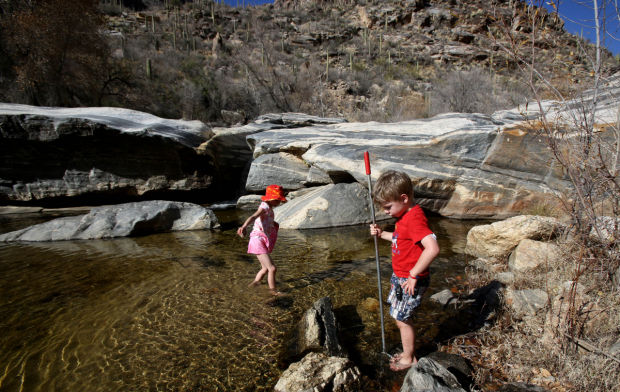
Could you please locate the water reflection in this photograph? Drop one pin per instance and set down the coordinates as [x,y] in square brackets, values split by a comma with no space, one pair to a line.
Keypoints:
[173,311]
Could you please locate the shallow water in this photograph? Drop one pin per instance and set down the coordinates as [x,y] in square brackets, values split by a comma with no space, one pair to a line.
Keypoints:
[174,312]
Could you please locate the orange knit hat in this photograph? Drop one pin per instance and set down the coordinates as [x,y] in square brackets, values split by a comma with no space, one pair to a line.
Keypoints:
[274,192]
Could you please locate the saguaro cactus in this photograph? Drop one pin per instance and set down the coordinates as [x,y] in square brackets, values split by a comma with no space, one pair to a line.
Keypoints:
[327,66]
[148,68]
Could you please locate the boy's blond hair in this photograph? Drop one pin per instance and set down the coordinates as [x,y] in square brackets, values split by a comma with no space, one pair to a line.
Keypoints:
[391,185]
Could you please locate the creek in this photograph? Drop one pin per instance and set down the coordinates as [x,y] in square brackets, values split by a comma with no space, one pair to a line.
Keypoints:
[173,311]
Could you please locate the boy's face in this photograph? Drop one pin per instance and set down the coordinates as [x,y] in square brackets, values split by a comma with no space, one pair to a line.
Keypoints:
[396,208]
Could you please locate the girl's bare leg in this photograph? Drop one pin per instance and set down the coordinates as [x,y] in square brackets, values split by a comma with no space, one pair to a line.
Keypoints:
[266,263]
[259,276]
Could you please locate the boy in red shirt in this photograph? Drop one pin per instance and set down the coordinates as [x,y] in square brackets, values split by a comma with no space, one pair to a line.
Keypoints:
[414,246]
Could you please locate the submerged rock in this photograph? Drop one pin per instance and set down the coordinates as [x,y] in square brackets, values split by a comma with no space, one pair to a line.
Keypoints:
[123,220]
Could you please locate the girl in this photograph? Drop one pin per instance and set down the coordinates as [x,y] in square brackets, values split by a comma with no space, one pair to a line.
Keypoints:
[264,234]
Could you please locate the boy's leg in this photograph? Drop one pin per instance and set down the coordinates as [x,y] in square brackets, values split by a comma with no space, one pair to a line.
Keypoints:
[407,337]
[266,263]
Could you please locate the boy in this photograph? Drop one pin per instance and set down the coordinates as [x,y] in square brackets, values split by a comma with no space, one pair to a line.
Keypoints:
[414,246]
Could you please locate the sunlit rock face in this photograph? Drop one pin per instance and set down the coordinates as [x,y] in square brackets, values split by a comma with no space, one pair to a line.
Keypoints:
[463,165]
[49,154]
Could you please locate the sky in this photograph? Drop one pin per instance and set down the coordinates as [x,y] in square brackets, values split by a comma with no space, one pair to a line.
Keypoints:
[578,16]
[578,19]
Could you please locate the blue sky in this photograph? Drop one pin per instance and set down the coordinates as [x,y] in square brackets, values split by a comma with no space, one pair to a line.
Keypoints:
[578,18]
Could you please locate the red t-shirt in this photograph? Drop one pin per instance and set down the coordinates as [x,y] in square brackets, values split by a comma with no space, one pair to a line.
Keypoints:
[411,228]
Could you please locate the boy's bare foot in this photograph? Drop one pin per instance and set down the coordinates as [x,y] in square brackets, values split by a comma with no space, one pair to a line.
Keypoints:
[275,292]
[398,365]
[254,283]
[395,357]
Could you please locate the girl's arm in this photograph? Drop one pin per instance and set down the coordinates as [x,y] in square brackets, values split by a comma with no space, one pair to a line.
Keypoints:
[385,235]
[258,213]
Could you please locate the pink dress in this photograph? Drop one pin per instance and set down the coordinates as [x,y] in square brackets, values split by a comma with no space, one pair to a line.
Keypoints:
[264,232]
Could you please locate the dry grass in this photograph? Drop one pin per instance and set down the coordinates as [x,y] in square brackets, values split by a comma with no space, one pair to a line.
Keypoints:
[535,350]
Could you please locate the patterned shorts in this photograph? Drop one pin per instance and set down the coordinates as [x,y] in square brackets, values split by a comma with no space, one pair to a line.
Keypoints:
[403,310]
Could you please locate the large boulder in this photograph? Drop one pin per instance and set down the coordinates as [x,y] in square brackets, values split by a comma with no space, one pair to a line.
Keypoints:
[111,154]
[229,151]
[500,238]
[530,254]
[317,372]
[327,206]
[130,219]
[463,165]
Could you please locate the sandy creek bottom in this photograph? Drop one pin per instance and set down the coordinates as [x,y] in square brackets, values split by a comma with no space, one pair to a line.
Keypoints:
[173,312]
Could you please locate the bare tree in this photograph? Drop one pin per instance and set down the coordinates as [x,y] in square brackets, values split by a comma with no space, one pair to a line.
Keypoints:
[585,141]
[56,49]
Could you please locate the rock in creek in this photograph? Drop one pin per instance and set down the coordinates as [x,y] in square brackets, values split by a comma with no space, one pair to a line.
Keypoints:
[430,376]
[317,331]
[130,219]
[327,206]
[317,372]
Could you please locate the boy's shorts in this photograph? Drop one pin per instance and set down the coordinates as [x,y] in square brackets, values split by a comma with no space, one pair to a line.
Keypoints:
[403,310]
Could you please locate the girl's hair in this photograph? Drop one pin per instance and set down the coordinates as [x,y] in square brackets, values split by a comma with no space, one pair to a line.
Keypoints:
[391,185]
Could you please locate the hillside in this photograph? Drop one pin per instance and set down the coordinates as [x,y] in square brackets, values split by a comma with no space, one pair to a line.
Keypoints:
[363,60]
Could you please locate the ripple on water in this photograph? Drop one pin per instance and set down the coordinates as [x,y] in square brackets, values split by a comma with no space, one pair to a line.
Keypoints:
[173,311]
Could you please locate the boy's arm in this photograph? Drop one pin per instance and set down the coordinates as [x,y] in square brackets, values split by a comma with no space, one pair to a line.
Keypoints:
[376,230]
[431,250]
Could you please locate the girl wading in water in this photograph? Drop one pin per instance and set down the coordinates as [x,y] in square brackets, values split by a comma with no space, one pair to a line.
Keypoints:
[264,235]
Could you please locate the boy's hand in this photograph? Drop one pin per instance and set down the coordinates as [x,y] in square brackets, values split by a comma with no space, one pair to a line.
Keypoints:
[241,231]
[409,285]
[375,230]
